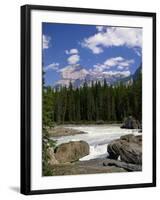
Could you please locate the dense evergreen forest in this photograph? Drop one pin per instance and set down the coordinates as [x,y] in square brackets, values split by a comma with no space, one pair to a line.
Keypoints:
[92,104]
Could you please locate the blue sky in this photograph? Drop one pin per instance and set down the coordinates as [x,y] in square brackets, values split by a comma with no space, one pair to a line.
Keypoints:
[72,51]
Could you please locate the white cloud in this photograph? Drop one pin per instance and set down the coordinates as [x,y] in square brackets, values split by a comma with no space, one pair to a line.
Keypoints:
[73,59]
[71,51]
[100,28]
[52,66]
[99,68]
[113,61]
[113,36]
[46,41]
[118,62]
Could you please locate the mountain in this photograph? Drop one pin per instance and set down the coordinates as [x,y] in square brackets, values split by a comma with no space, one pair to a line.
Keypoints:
[129,80]
[78,75]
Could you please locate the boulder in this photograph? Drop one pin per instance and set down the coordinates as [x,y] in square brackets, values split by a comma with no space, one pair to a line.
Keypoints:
[99,122]
[131,153]
[131,123]
[128,148]
[131,138]
[71,151]
[113,149]
[139,139]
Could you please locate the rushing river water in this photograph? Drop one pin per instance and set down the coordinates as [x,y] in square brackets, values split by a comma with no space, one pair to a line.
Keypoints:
[97,136]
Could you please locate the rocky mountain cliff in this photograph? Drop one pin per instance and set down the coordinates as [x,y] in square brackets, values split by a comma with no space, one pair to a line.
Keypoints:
[81,75]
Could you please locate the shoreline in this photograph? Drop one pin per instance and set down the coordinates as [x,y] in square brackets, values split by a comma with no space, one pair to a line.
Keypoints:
[113,124]
[89,123]
[70,129]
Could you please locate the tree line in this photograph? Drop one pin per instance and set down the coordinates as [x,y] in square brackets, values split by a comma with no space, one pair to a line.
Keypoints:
[99,102]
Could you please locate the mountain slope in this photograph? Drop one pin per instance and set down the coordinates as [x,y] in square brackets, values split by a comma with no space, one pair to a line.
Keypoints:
[78,75]
[129,80]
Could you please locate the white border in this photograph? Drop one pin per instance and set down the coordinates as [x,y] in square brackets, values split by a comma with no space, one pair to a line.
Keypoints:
[42,183]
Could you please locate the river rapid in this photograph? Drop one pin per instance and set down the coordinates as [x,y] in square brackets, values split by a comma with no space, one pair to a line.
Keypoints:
[97,136]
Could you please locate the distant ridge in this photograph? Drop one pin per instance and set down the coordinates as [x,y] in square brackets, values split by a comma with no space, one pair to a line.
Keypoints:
[84,76]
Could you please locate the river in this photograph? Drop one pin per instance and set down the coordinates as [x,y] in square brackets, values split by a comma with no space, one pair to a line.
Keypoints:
[97,136]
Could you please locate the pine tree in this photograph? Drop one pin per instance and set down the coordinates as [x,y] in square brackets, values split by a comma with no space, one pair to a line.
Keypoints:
[92,103]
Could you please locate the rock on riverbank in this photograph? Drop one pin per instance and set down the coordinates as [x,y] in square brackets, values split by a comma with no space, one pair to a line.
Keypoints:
[62,131]
[131,123]
[128,148]
[71,151]
[85,167]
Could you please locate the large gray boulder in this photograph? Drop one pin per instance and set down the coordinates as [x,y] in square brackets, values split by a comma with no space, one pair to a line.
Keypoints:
[128,148]
[131,123]
[71,151]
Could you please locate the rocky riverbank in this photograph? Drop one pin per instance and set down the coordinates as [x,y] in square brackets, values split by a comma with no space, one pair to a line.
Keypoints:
[85,167]
[58,131]
[125,155]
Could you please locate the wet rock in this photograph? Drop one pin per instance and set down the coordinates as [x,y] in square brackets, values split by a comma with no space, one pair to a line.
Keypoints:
[128,147]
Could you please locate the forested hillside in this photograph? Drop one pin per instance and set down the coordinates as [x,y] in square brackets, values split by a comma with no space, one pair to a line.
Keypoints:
[98,102]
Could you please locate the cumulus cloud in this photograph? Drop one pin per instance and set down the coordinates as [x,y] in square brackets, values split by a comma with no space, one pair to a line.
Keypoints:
[72,51]
[99,68]
[52,66]
[118,62]
[46,41]
[73,59]
[100,28]
[113,61]
[113,36]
